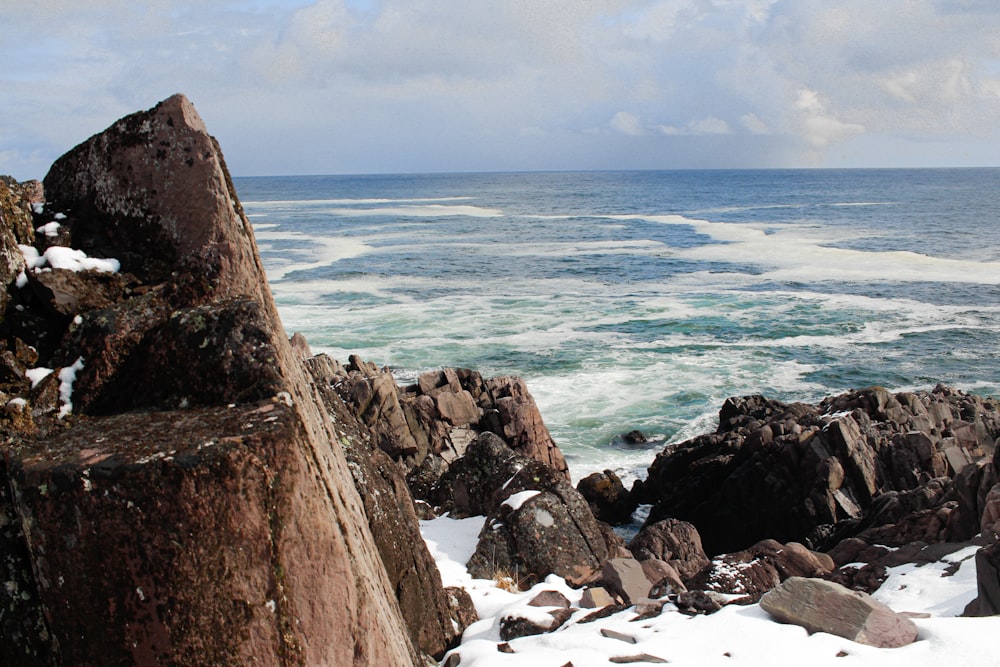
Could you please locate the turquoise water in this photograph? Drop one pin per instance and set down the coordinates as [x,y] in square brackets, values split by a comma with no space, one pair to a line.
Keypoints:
[641,300]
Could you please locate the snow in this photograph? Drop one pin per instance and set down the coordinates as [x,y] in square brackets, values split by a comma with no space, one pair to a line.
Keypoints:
[36,375]
[50,229]
[67,376]
[58,257]
[737,636]
[517,499]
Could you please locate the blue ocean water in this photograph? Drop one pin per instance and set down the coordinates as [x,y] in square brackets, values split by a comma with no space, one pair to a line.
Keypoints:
[642,300]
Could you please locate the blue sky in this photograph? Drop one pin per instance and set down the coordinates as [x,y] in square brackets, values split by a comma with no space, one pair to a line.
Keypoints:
[366,86]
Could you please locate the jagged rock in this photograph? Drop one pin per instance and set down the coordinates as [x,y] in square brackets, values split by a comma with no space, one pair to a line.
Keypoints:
[443,412]
[226,532]
[607,497]
[812,474]
[824,606]
[435,616]
[674,541]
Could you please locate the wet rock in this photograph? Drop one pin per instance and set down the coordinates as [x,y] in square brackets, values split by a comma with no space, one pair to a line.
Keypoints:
[823,606]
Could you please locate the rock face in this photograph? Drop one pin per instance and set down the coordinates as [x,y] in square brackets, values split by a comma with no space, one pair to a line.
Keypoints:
[192,505]
[862,461]
[434,616]
[823,606]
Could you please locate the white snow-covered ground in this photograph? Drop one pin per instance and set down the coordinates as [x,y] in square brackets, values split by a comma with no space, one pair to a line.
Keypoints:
[735,636]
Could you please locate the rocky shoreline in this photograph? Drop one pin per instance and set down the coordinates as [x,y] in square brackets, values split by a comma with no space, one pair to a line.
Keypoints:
[181,482]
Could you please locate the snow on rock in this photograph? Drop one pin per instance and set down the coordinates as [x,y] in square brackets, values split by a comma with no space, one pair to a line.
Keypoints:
[67,376]
[516,500]
[36,375]
[58,257]
[736,636]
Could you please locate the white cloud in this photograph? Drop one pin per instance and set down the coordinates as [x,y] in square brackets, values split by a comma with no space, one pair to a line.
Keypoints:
[337,83]
[627,123]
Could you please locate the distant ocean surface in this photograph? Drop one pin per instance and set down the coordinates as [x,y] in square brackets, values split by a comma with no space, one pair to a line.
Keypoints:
[642,300]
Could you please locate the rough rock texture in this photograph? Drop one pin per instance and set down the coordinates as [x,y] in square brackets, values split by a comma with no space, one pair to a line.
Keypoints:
[200,514]
[550,532]
[819,474]
[824,606]
[607,497]
[435,616]
[674,541]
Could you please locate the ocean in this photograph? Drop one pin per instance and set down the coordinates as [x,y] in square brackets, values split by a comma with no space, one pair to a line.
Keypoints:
[642,300]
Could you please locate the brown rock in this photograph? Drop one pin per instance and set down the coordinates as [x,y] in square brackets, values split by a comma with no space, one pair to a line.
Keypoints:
[626,578]
[823,606]
[674,541]
[522,423]
[227,533]
[596,597]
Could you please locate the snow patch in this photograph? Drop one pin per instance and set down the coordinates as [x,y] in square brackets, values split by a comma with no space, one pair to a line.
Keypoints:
[516,500]
[67,376]
[36,375]
[58,257]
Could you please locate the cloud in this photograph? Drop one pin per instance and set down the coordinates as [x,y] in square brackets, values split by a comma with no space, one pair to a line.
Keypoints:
[346,85]
[628,124]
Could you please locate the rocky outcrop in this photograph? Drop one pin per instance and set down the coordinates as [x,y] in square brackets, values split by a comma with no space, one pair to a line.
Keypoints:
[607,497]
[180,487]
[824,606]
[818,474]
[435,616]
[439,416]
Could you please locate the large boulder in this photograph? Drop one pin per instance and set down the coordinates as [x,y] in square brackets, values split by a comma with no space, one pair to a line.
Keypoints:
[824,606]
[537,523]
[673,541]
[186,503]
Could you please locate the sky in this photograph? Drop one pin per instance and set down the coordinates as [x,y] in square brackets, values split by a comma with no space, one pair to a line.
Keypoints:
[389,86]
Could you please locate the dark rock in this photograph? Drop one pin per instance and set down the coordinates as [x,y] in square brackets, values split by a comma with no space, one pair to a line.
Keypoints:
[698,602]
[542,535]
[635,437]
[512,627]
[823,606]
[818,474]
[987,602]
[607,497]
[674,541]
